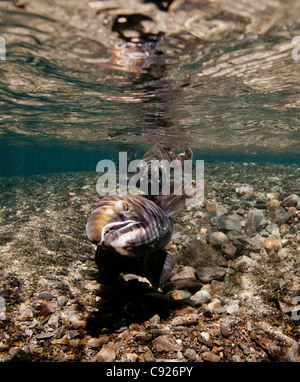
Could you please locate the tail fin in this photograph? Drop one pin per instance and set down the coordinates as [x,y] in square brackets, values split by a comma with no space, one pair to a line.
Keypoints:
[159,152]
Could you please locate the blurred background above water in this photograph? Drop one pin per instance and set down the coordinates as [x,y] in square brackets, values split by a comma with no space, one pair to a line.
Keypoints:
[83,80]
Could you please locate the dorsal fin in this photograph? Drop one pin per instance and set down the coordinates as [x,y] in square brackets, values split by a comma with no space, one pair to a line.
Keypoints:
[170,201]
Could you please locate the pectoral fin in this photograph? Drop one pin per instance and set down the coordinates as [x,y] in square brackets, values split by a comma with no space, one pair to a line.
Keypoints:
[167,269]
[158,267]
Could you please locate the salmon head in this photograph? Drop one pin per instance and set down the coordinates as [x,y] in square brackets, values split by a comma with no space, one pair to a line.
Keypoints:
[131,225]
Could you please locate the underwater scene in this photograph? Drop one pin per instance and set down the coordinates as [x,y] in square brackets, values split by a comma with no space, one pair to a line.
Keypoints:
[149,181]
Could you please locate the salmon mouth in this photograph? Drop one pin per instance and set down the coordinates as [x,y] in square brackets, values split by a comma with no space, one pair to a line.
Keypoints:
[115,226]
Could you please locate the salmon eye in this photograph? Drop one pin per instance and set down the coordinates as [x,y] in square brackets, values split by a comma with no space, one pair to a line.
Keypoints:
[122,206]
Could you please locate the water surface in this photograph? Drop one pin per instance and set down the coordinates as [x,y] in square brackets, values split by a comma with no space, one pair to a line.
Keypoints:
[82,82]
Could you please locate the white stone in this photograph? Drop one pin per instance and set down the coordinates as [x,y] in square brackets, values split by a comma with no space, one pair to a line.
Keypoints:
[200,297]
[233,307]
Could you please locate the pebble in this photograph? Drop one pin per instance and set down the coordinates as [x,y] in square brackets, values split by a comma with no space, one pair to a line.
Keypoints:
[190,354]
[274,203]
[245,189]
[278,215]
[217,286]
[154,319]
[130,357]
[211,206]
[60,332]
[228,250]
[222,211]
[200,297]
[92,286]
[201,254]
[46,308]
[283,253]
[244,347]
[236,358]
[207,274]
[272,195]
[63,340]
[242,241]
[179,294]
[148,356]
[143,337]
[256,220]
[205,336]
[42,282]
[210,357]
[188,319]
[26,313]
[45,294]
[271,244]
[163,344]
[77,324]
[61,300]
[217,239]
[53,321]
[108,353]
[283,228]
[44,336]
[273,229]
[214,304]
[229,223]
[190,285]
[233,307]
[251,358]
[186,273]
[291,201]
[242,263]
[75,321]
[225,331]
[98,342]
[203,231]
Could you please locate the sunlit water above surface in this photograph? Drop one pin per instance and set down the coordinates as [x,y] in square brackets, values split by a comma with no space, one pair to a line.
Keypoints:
[77,88]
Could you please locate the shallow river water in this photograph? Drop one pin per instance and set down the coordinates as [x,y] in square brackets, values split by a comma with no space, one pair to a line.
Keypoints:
[81,81]
[84,80]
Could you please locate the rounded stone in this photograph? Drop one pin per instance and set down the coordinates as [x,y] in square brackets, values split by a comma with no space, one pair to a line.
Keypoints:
[107,353]
[211,206]
[217,239]
[190,354]
[242,263]
[272,244]
[201,297]
[186,273]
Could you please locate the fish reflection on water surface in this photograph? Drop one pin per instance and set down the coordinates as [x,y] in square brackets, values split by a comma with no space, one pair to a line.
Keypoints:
[132,231]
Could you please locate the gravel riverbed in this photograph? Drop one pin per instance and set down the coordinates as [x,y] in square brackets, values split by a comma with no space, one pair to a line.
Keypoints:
[232,296]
